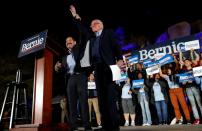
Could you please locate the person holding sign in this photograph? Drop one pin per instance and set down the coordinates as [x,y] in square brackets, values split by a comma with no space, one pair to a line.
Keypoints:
[176,94]
[198,77]
[93,99]
[159,97]
[143,99]
[127,104]
[193,93]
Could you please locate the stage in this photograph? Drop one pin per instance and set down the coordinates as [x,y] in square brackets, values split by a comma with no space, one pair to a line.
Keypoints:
[183,127]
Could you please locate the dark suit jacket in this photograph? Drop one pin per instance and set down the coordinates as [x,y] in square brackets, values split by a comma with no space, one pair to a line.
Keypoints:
[109,49]
[78,52]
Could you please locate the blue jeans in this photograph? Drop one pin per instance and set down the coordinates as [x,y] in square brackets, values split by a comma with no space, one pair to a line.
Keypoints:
[193,94]
[145,110]
[162,111]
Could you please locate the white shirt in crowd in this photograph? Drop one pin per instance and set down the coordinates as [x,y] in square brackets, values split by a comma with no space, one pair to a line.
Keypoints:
[125,90]
[158,95]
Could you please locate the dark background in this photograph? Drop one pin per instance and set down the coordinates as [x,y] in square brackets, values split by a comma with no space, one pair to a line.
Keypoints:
[24,18]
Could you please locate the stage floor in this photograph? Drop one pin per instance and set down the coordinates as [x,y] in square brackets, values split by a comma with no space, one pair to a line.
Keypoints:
[183,127]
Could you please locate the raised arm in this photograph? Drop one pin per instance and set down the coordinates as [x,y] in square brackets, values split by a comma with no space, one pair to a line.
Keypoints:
[181,59]
[194,56]
[161,74]
[73,12]
[77,21]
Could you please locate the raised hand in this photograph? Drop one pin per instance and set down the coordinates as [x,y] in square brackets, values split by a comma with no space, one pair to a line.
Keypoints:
[72,10]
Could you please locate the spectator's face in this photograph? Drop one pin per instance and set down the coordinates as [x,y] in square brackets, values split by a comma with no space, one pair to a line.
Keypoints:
[96,25]
[139,66]
[91,77]
[70,42]
[157,77]
[169,72]
[187,63]
[139,75]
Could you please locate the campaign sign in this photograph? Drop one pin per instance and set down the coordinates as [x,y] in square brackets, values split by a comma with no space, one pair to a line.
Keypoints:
[145,63]
[168,47]
[197,71]
[185,77]
[150,63]
[33,44]
[133,59]
[194,44]
[138,83]
[124,77]
[166,59]
[159,56]
[153,70]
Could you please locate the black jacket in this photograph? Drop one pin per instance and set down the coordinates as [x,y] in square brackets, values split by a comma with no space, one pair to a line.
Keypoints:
[163,84]
[109,49]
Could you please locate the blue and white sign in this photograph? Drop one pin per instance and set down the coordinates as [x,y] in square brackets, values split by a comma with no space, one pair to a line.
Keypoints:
[185,77]
[138,83]
[168,47]
[194,44]
[149,63]
[166,59]
[153,70]
[159,56]
[197,71]
[33,44]
[124,77]
[133,59]
[146,62]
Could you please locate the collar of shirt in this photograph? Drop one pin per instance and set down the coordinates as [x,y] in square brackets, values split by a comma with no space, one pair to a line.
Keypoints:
[98,33]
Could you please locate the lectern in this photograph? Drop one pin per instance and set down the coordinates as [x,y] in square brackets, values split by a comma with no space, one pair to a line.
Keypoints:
[44,48]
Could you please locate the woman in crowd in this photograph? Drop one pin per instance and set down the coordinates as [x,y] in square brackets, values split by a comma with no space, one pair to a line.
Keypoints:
[143,99]
[159,97]
[191,88]
[127,104]
[176,94]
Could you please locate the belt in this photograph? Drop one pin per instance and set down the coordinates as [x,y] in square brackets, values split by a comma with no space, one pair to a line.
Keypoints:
[75,73]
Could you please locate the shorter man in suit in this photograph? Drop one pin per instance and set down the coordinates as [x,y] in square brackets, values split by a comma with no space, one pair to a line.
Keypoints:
[76,79]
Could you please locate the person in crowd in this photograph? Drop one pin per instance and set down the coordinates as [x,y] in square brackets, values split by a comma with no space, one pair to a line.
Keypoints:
[63,105]
[176,94]
[104,51]
[143,99]
[127,104]
[192,91]
[76,83]
[93,99]
[139,68]
[159,97]
[198,79]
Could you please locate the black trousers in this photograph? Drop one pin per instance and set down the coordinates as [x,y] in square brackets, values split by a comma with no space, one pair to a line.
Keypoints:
[77,90]
[107,97]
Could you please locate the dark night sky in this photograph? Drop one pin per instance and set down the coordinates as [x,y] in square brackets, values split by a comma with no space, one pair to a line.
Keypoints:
[22,19]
